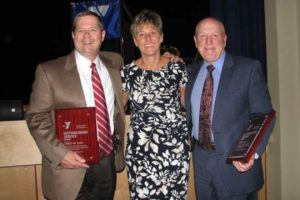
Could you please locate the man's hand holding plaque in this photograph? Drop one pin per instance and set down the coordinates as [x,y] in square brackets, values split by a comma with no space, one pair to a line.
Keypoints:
[244,149]
[73,160]
[243,166]
[76,128]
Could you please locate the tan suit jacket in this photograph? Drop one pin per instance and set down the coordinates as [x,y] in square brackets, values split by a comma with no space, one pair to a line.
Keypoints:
[57,85]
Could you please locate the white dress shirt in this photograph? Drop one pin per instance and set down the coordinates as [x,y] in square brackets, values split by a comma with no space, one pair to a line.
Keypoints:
[85,73]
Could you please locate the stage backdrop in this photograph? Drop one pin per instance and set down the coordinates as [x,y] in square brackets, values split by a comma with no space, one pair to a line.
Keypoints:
[108,10]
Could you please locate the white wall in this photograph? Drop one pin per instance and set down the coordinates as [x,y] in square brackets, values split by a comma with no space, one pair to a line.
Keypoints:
[283,58]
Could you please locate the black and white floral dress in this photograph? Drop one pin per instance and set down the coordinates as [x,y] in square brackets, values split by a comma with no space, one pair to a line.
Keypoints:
[157,149]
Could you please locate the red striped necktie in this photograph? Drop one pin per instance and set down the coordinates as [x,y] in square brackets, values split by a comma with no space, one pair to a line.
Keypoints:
[102,118]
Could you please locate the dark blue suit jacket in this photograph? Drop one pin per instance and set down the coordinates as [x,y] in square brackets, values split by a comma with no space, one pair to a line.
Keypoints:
[242,93]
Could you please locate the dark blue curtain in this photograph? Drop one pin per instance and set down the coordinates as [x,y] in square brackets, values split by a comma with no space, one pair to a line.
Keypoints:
[244,22]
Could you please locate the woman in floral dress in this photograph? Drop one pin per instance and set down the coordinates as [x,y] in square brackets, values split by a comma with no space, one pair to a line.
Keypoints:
[157,149]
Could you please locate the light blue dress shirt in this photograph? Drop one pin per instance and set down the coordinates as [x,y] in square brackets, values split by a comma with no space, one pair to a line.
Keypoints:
[197,92]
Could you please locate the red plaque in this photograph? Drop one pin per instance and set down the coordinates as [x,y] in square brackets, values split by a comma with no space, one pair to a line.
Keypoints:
[76,128]
[250,139]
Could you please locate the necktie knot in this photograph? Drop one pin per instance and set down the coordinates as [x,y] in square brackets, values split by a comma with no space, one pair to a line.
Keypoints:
[93,66]
[210,68]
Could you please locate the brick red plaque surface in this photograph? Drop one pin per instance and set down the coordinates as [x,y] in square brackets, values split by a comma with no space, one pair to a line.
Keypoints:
[76,128]
[247,144]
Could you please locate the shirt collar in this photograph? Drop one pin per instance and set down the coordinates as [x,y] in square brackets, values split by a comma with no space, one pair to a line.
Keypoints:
[87,62]
[218,64]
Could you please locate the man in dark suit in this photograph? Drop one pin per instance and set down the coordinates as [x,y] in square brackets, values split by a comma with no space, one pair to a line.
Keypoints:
[66,83]
[239,91]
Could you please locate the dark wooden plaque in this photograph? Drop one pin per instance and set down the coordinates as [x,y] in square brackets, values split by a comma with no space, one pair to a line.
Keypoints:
[247,144]
[76,128]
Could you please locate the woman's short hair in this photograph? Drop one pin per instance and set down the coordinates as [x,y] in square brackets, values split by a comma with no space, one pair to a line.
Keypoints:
[146,17]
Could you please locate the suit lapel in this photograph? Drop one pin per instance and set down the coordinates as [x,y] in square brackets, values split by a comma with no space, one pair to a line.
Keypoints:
[196,66]
[73,79]
[193,70]
[226,77]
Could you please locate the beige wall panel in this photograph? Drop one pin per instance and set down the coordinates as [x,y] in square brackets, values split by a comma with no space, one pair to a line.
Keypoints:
[191,189]
[122,190]
[17,183]
[17,146]
[38,172]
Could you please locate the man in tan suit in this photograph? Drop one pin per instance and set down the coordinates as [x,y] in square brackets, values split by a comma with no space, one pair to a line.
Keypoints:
[66,83]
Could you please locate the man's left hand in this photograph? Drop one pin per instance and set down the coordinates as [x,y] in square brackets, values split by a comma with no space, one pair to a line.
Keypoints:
[243,167]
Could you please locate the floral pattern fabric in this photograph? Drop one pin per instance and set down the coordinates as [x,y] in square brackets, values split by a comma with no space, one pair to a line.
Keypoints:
[157,149]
